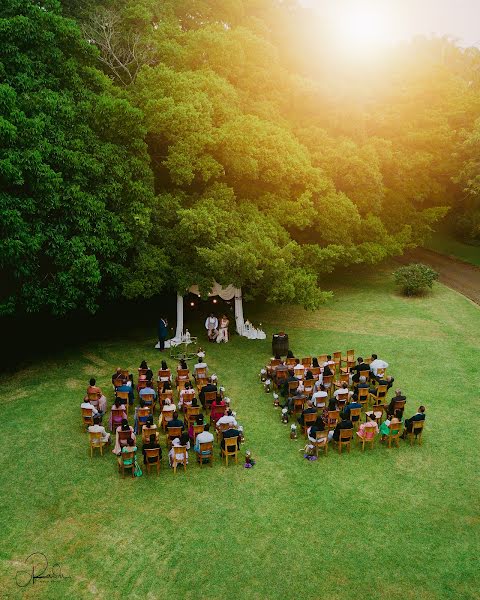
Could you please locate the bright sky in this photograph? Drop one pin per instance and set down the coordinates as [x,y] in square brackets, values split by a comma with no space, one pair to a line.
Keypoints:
[392,20]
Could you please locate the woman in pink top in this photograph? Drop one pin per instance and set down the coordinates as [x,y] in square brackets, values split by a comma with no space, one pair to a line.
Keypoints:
[369,429]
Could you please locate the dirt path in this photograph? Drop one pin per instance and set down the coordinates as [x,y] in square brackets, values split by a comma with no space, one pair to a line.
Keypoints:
[455,274]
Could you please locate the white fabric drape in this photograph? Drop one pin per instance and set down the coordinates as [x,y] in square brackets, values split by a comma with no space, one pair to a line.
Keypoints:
[225,293]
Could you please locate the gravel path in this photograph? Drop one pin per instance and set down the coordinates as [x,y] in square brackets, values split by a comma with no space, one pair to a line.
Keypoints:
[455,274]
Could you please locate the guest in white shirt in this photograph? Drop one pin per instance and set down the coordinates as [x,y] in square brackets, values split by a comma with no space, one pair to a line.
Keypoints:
[343,390]
[319,396]
[200,365]
[98,428]
[86,404]
[203,437]
[227,418]
[377,363]
[299,370]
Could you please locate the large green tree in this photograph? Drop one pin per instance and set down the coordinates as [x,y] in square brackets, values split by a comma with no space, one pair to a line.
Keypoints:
[75,183]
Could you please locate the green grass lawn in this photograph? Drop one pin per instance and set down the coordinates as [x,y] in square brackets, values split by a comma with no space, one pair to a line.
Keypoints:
[398,523]
[445,244]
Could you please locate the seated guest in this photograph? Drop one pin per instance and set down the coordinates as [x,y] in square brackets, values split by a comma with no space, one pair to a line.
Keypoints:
[227,418]
[166,386]
[142,378]
[308,375]
[202,438]
[88,404]
[398,397]
[218,409]
[330,364]
[319,425]
[182,366]
[319,398]
[200,365]
[118,375]
[229,433]
[349,406]
[168,409]
[164,368]
[360,366]
[152,444]
[199,420]
[315,364]
[289,379]
[150,425]
[369,429]
[143,365]
[187,391]
[345,423]
[388,381]
[210,387]
[299,370]
[290,354]
[139,422]
[343,390]
[130,390]
[418,416]
[98,428]
[290,404]
[377,364]
[129,447]
[183,440]
[94,389]
[148,390]
[119,406]
[310,409]
[389,425]
[361,385]
[332,405]
[176,422]
[123,427]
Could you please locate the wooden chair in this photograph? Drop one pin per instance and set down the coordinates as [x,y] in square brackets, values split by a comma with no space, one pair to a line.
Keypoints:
[123,437]
[350,356]
[142,415]
[149,400]
[96,442]
[321,441]
[142,371]
[337,357]
[307,361]
[93,398]
[316,371]
[122,466]
[417,432]
[346,370]
[345,378]
[291,362]
[119,381]
[182,375]
[274,362]
[191,413]
[328,383]
[219,430]
[365,374]
[377,409]
[381,372]
[162,396]
[152,453]
[298,404]
[308,420]
[231,449]
[166,417]
[118,415]
[125,373]
[332,419]
[341,404]
[196,430]
[292,386]
[322,359]
[355,414]
[343,397]
[147,432]
[363,394]
[123,396]
[179,457]
[399,405]
[142,384]
[368,437]
[394,432]
[380,394]
[280,377]
[203,447]
[210,397]
[201,373]
[345,439]
[87,416]
[200,383]
[308,387]
[164,375]
[172,433]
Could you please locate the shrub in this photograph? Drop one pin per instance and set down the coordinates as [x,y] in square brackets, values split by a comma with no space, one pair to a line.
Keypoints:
[415,278]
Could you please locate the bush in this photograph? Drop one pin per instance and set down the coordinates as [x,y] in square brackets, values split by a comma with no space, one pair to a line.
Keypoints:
[415,278]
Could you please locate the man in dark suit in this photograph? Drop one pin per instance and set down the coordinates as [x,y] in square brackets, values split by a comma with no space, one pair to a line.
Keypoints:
[362,385]
[162,332]
[391,407]
[176,422]
[210,387]
[345,423]
[419,416]
[291,377]
[353,404]
[229,433]
[360,366]
[309,410]
[151,445]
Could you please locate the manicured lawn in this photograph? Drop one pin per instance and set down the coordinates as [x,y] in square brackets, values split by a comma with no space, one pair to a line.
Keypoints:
[399,523]
[445,244]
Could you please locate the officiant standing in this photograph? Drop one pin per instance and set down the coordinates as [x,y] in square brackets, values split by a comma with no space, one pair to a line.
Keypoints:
[162,332]
[211,325]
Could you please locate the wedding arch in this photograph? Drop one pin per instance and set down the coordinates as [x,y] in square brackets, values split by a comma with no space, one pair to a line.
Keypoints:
[243,328]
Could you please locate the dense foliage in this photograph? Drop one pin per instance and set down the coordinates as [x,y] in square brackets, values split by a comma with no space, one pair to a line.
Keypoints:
[415,278]
[270,164]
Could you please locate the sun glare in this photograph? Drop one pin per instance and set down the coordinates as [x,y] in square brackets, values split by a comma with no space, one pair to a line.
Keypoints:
[360,28]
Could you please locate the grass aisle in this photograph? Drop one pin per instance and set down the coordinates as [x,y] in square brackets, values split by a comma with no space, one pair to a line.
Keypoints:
[387,523]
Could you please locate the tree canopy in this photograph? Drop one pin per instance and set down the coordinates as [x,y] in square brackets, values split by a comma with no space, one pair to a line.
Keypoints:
[183,141]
